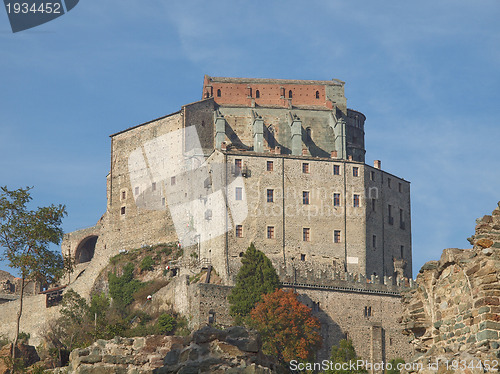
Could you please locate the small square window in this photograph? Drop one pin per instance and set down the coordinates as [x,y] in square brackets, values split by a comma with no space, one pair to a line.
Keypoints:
[122,210]
[355,172]
[305,197]
[306,234]
[336,236]
[239,231]
[172,181]
[336,199]
[238,193]
[336,169]
[136,191]
[153,186]
[270,166]
[305,168]
[237,164]
[270,196]
[355,201]
[270,232]
[302,257]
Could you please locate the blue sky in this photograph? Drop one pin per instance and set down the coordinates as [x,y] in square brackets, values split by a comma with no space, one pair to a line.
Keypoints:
[425,74]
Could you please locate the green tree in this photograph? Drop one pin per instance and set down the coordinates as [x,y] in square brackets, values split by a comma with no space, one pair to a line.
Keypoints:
[256,277]
[146,264]
[25,236]
[343,353]
[394,366]
[166,323]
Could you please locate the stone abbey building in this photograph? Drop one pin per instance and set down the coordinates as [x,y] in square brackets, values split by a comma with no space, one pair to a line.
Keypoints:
[278,163]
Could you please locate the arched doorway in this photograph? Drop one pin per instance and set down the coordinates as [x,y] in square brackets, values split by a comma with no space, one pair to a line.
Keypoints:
[85,250]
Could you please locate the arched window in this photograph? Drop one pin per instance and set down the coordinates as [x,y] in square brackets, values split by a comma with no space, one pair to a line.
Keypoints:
[257,94]
[218,92]
[317,94]
[290,94]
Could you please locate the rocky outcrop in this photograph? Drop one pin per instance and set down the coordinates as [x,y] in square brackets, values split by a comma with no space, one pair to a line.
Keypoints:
[454,312]
[26,353]
[208,350]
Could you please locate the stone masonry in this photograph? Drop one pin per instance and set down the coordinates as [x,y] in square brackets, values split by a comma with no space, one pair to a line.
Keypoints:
[455,308]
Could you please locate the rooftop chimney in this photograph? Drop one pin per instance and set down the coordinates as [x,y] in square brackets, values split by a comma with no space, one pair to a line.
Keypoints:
[333,154]
[377,164]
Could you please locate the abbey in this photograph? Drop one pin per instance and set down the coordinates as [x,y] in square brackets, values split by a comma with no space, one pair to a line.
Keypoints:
[280,163]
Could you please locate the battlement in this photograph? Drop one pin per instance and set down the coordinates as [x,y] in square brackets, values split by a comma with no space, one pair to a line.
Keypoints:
[306,274]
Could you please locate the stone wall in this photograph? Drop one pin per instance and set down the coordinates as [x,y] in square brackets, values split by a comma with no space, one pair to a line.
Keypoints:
[456,304]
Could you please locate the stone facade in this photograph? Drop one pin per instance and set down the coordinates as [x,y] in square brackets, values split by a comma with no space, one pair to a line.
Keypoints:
[455,308]
[299,160]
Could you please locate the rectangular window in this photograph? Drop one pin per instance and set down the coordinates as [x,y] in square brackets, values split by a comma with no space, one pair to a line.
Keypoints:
[238,193]
[389,182]
[270,166]
[389,213]
[374,241]
[355,172]
[122,210]
[336,169]
[355,201]
[373,205]
[237,164]
[401,219]
[153,186]
[336,199]
[305,197]
[137,191]
[124,195]
[270,196]
[270,232]
[163,201]
[402,250]
[306,234]
[372,175]
[336,236]
[239,231]
[400,187]
[305,168]
[172,181]
[302,257]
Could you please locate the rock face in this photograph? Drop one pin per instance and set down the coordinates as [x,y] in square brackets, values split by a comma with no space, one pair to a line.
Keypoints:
[454,312]
[27,353]
[208,350]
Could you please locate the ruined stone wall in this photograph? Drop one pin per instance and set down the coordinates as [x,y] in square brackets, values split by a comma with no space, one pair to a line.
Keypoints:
[456,305]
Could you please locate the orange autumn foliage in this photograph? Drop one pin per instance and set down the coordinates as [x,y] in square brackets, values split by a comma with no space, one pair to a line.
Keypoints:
[288,329]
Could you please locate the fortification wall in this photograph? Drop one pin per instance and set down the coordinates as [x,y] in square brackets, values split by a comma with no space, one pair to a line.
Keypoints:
[456,304]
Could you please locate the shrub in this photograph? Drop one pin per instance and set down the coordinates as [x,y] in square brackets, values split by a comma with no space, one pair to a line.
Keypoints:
[24,337]
[122,288]
[166,323]
[146,264]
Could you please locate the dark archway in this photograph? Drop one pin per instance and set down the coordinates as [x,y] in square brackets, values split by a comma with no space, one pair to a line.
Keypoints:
[85,250]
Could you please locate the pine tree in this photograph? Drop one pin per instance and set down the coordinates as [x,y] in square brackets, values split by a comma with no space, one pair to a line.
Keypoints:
[256,277]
